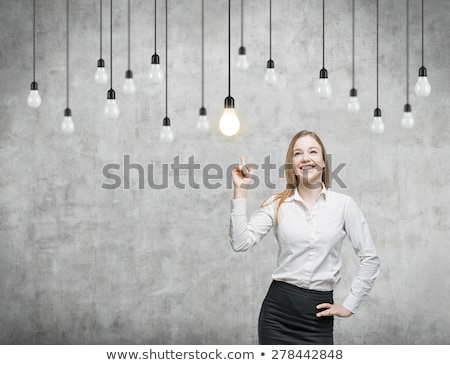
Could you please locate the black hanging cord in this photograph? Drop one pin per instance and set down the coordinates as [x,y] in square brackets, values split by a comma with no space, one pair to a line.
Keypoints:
[353,44]
[166,61]
[377,55]
[407,51]
[67,53]
[110,49]
[203,53]
[101,27]
[270,29]
[34,40]
[129,26]
[155,26]
[229,48]
[242,23]
[422,34]
[323,33]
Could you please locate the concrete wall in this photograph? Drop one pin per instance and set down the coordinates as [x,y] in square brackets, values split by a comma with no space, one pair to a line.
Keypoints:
[84,265]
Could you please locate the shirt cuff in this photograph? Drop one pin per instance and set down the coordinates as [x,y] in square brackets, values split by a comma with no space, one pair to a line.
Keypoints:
[239,206]
[352,303]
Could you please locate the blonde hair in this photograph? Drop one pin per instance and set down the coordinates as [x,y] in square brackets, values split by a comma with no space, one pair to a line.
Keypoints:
[292,180]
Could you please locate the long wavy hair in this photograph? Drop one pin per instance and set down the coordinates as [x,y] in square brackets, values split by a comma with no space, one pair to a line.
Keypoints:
[292,180]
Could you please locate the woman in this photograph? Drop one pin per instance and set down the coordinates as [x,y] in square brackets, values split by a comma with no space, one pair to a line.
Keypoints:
[310,223]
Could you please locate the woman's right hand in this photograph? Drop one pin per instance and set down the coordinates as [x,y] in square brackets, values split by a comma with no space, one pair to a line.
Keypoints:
[242,179]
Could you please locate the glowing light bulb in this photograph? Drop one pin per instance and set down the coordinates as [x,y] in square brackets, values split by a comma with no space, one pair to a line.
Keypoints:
[111,109]
[407,121]
[323,88]
[101,77]
[229,123]
[155,74]
[129,88]
[270,77]
[202,122]
[166,134]
[377,125]
[423,87]
[67,125]
[34,99]
[353,105]
[242,62]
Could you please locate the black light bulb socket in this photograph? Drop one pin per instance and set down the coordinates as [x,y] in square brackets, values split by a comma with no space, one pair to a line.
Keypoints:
[422,71]
[241,51]
[166,122]
[229,102]
[67,112]
[34,85]
[323,73]
[202,111]
[111,94]
[407,108]
[270,64]
[129,74]
[101,62]
[377,112]
[353,92]
[155,59]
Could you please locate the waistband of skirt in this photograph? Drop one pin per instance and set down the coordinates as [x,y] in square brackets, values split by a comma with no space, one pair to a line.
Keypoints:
[299,290]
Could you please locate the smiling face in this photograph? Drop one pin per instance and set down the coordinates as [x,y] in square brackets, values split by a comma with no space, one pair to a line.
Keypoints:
[308,161]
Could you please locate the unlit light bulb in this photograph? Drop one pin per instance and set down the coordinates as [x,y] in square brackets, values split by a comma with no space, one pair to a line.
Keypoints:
[353,105]
[202,122]
[34,99]
[129,88]
[111,109]
[423,87]
[377,125]
[67,125]
[323,88]
[166,134]
[407,121]
[101,77]
[155,74]
[242,62]
[270,77]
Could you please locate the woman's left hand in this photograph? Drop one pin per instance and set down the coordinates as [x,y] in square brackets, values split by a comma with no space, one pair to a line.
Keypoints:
[333,310]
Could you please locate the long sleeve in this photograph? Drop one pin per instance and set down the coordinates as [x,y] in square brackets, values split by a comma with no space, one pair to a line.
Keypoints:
[369,268]
[243,235]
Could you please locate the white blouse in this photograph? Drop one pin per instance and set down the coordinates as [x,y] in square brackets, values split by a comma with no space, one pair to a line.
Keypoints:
[310,241]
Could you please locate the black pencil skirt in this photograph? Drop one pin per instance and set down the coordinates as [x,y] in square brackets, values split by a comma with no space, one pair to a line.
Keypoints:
[288,316]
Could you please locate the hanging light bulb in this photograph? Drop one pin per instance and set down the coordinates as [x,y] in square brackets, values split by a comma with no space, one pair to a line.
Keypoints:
[323,87]
[129,88]
[101,76]
[353,105]
[67,125]
[270,77]
[242,62]
[166,134]
[155,74]
[202,122]
[423,87]
[407,121]
[229,122]
[34,99]
[111,109]
[377,125]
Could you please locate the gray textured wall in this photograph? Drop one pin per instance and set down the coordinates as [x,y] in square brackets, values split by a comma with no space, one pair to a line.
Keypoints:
[83,265]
